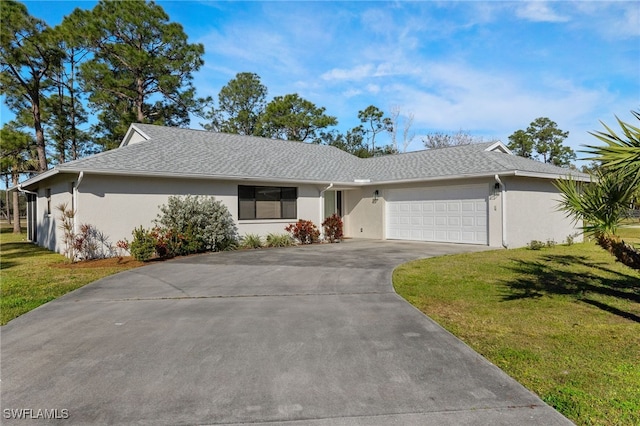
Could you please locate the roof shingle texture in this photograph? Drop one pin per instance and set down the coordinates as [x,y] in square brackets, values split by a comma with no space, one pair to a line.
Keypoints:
[174,151]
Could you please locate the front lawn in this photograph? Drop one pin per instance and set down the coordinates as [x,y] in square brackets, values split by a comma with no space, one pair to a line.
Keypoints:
[32,276]
[563,321]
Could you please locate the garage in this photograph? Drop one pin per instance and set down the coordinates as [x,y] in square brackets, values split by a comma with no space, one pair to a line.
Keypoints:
[455,214]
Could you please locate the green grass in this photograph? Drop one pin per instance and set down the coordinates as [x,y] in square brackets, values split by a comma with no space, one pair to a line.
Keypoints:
[563,321]
[31,276]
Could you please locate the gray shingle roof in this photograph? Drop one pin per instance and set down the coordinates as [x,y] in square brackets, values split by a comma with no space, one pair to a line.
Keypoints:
[186,152]
[174,151]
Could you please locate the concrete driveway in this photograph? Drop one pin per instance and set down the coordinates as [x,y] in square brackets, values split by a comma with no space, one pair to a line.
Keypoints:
[308,335]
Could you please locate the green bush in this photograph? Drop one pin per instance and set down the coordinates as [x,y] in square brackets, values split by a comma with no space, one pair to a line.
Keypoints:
[279,240]
[536,245]
[251,241]
[143,246]
[197,224]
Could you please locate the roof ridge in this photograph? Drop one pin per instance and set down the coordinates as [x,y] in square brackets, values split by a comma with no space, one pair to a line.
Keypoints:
[238,136]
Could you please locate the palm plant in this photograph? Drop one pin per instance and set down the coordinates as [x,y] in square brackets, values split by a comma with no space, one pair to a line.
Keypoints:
[602,204]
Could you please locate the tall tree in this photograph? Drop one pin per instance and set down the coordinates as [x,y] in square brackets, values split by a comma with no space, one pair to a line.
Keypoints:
[65,116]
[15,147]
[142,66]
[26,56]
[351,142]
[241,103]
[374,123]
[547,140]
[65,106]
[520,143]
[293,118]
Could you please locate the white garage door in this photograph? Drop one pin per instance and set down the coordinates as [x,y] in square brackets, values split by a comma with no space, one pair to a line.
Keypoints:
[456,214]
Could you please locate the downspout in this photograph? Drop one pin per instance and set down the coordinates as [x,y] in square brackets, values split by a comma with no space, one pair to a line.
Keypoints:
[75,201]
[29,212]
[503,204]
[24,191]
[322,207]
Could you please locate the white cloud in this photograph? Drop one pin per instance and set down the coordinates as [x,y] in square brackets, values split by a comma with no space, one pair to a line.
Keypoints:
[539,11]
[613,20]
[356,73]
[373,89]
[350,93]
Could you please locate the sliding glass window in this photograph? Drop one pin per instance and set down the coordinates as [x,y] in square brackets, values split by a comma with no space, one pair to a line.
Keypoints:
[267,202]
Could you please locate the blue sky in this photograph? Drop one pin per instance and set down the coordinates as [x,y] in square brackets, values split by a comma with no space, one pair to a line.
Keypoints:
[488,68]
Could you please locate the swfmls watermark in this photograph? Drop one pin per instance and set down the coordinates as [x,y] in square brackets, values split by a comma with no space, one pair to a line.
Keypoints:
[35,414]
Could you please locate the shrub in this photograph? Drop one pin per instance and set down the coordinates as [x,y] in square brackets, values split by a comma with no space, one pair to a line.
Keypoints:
[333,228]
[122,247]
[66,225]
[169,243]
[535,245]
[195,224]
[90,243]
[143,246]
[279,240]
[305,231]
[251,241]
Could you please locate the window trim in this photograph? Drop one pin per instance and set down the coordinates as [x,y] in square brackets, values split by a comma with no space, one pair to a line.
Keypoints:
[254,199]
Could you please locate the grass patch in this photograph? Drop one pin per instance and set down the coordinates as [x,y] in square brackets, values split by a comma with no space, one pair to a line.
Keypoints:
[563,321]
[32,275]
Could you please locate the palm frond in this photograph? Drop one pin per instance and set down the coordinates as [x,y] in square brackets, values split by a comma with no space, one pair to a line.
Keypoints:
[621,152]
[600,205]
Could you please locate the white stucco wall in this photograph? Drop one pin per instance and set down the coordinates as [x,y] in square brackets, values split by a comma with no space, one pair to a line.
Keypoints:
[116,205]
[363,218]
[48,230]
[532,213]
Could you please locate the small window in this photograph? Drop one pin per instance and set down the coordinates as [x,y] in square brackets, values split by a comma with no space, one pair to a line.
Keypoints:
[267,202]
[47,194]
[73,196]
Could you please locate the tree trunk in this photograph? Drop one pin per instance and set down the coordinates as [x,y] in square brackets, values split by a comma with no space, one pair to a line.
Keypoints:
[623,252]
[37,125]
[140,101]
[16,203]
[72,98]
[6,198]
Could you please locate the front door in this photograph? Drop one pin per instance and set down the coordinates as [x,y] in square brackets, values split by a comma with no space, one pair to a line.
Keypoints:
[332,203]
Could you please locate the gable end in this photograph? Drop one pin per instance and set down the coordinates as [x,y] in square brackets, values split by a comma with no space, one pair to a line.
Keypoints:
[499,147]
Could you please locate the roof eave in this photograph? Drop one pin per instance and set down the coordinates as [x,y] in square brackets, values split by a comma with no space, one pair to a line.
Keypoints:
[31,181]
[210,177]
[554,176]
[439,178]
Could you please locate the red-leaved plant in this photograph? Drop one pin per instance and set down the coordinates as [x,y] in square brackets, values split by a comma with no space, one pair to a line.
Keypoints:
[304,231]
[333,228]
